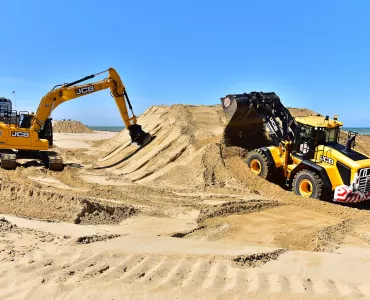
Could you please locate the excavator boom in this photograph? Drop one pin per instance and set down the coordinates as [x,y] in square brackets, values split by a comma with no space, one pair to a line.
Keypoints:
[69,91]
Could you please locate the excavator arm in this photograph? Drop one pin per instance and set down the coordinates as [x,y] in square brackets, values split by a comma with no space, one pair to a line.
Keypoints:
[69,91]
[244,111]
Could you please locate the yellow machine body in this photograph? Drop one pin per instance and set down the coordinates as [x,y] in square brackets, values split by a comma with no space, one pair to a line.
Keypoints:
[33,132]
[306,151]
[13,137]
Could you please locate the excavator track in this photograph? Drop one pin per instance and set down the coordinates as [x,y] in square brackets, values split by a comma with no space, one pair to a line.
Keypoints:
[52,160]
[8,161]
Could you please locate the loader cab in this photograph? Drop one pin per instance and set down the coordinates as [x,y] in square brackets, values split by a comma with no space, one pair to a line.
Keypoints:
[312,132]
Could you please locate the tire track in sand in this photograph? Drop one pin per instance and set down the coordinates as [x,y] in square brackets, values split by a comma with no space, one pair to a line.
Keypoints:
[197,274]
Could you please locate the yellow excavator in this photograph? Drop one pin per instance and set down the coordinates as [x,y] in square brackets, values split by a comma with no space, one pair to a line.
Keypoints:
[24,135]
[305,152]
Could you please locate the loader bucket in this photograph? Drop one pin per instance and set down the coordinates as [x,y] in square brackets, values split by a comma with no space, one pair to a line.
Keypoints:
[245,126]
[139,136]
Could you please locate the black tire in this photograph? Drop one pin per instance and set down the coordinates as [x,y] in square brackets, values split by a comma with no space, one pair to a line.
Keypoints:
[265,168]
[314,183]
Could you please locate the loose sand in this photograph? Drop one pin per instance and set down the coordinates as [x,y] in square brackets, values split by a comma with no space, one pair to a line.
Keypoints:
[181,218]
[70,127]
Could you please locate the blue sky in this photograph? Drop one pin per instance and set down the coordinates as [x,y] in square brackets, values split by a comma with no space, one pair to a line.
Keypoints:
[313,54]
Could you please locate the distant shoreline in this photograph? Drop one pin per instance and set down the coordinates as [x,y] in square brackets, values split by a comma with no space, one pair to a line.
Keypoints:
[107,128]
[359,130]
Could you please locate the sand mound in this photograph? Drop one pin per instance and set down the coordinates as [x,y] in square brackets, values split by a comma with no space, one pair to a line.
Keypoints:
[301,112]
[187,152]
[187,149]
[184,151]
[70,127]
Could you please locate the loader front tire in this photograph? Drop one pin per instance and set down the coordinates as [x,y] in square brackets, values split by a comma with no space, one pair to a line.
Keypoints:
[258,163]
[307,183]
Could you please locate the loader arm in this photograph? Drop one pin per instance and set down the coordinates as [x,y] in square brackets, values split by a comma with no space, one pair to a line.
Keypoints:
[70,91]
[237,108]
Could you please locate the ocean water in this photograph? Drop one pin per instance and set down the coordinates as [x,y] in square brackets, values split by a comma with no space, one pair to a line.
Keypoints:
[107,128]
[362,130]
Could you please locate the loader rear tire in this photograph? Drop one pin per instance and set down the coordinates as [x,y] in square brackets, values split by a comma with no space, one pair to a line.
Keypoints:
[258,163]
[307,183]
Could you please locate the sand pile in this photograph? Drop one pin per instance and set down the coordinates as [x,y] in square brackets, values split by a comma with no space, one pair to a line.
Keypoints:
[184,152]
[187,149]
[70,127]
[301,112]
[188,152]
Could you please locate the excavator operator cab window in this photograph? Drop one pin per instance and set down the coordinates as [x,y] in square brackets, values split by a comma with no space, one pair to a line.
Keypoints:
[25,119]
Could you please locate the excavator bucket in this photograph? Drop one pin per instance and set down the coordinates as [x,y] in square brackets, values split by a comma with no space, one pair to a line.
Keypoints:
[139,136]
[245,126]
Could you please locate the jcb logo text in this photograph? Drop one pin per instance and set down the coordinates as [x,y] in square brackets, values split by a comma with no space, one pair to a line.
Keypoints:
[85,90]
[273,124]
[20,134]
[327,159]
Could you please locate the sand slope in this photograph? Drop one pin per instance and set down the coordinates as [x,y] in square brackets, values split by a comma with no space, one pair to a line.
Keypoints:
[186,150]
[183,152]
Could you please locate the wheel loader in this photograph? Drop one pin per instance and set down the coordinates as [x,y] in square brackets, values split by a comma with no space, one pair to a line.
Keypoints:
[305,152]
[25,135]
